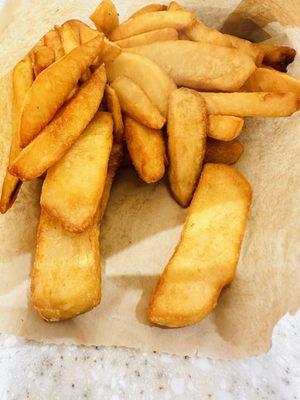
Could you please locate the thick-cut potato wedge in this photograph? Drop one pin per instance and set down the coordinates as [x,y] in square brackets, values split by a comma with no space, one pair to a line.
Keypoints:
[225,69]
[52,87]
[70,40]
[149,76]
[278,57]
[115,159]
[147,150]
[66,274]
[206,258]
[261,104]
[149,8]
[152,21]
[187,132]
[219,152]
[22,80]
[42,57]
[159,35]
[113,105]
[224,127]
[110,50]
[52,40]
[135,103]
[105,17]
[73,187]
[56,139]
[270,80]
[199,32]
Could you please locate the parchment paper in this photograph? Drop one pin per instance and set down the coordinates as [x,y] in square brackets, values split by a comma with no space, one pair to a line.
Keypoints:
[143,223]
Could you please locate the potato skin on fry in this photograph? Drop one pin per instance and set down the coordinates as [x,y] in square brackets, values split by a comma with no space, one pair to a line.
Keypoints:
[56,139]
[136,103]
[22,80]
[73,186]
[149,76]
[225,69]
[187,132]
[152,21]
[147,150]
[66,276]
[223,152]
[207,255]
[277,57]
[52,87]
[260,104]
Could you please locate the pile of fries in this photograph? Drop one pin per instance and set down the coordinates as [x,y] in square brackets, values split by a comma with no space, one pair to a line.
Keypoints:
[159,91]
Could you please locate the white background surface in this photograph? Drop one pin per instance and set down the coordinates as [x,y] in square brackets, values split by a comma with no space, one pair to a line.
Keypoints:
[32,371]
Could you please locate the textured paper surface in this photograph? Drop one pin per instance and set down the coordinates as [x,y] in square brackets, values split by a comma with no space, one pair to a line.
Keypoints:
[143,224]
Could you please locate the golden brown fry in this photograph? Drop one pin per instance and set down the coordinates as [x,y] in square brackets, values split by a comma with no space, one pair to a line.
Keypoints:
[152,21]
[149,8]
[70,40]
[114,108]
[199,32]
[105,17]
[115,159]
[145,73]
[56,139]
[66,275]
[225,69]
[278,57]
[52,40]
[159,35]
[224,127]
[42,58]
[22,80]
[147,150]
[223,152]
[136,103]
[187,131]
[110,51]
[206,258]
[270,80]
[263,104]
[52,87]
[73,187]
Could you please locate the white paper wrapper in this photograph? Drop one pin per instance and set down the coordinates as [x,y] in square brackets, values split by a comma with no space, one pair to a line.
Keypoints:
[143,224]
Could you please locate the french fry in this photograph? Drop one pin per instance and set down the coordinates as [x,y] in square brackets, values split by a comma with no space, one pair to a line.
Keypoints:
[145,73]
[62,132]
[223,152]
[224,127]
[69,38]
[199,32]
[278,57]
[66,274]
[105,17]
[135,103]
[225,69]
[270,80]
[42,58]
[73,187]
[187,132]
[149,8]
[52,87]
[115,159]
[261,104]
[152,21]
[147,150]
[22,80]
[207,255]
[52,40]
[159,35]
[114,108]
